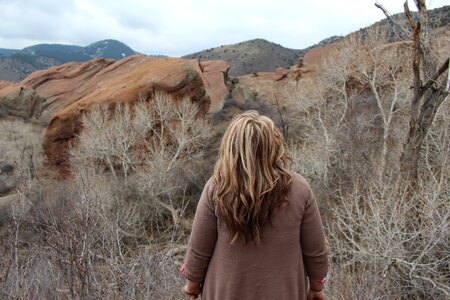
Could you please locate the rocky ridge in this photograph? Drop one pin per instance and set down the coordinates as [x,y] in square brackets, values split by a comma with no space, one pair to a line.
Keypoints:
[57,97]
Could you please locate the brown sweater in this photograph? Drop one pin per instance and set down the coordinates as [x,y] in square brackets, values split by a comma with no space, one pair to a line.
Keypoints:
[292,248]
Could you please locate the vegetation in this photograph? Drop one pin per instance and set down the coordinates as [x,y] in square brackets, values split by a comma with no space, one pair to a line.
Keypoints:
[387,230]
[117,228]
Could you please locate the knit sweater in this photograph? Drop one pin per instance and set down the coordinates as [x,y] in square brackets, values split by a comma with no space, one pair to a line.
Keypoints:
[292,248]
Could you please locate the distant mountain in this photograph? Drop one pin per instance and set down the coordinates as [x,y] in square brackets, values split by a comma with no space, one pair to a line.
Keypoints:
[438,18]
[17,64]
[260,55]
[256,55]
[246,57]
[7,52]
[108,49]
[64,53]
[250,56]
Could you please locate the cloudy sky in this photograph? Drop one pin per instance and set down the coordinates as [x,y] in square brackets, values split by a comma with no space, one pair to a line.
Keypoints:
[177,27]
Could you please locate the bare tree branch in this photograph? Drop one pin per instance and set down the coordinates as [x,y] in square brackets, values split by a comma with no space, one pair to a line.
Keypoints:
[389,16]
[433,80]
[421,116]
[409,15]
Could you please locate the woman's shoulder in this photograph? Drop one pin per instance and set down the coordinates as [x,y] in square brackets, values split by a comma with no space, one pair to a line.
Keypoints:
[209,186]
[300,186]
[210,183]
[298,181]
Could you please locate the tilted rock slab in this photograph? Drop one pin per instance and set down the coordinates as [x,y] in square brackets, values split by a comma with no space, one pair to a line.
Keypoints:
[58,96]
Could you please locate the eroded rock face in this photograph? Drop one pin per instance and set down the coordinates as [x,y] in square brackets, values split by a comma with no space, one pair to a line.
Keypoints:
[123,82]
[44,92]
[214,74]
[59,96]
[315,56]
[280,74]
[4,83]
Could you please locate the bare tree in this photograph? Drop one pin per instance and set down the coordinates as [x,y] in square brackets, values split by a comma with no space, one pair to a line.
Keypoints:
[374,230]
[117,227]
[157,142]
[359,95]
[379,65]
[428,90]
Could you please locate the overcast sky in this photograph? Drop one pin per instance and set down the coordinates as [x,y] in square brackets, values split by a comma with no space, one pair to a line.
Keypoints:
[177,27]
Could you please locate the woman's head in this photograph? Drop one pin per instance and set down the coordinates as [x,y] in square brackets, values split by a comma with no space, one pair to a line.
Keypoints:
[251,176]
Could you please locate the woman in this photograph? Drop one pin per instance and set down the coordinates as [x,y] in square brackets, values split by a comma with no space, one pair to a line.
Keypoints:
[257,232]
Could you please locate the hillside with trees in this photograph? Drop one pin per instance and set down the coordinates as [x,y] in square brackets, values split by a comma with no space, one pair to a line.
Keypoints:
[15,65]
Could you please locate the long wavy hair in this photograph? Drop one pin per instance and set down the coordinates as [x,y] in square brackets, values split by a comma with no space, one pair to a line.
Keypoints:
[251,176]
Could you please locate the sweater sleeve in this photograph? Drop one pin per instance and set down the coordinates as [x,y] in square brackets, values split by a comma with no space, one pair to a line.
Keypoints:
[203,237]
[312,240]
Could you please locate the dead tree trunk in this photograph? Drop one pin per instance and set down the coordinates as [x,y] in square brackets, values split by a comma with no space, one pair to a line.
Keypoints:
[419,124]
[429,92]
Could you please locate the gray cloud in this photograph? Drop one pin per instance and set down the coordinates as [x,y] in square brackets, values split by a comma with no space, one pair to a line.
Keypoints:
[175,27]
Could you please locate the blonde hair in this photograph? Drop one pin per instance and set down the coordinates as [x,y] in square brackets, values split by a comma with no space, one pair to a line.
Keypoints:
[251,178]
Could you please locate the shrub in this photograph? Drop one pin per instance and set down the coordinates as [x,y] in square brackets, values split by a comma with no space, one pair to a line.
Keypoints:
[117,227]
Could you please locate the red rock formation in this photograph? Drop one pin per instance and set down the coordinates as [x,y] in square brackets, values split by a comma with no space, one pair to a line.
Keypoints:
[59,95]
[280,73]
[308,65]
[214,74]
[314,56]
[4,83]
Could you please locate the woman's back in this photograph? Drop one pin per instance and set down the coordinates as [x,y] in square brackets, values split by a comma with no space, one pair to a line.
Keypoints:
[257,230]
[272,269]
